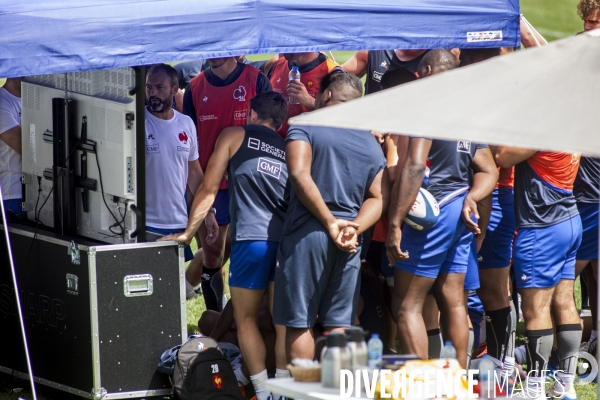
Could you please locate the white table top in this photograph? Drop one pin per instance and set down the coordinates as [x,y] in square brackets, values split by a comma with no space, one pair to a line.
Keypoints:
[303,390]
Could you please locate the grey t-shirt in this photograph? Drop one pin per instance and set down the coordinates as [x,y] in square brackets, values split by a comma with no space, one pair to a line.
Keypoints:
[344,164]
[257,177]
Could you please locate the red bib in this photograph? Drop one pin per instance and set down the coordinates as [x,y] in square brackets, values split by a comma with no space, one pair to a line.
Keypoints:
[218,108]
[311,80]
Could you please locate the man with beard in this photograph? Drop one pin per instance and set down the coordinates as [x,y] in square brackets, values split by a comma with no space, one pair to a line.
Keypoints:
[375,63]
[216,99]
[171,156]
[300,95]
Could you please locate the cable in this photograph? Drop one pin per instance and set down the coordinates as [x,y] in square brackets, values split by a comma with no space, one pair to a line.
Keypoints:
[36,213]
[122,234]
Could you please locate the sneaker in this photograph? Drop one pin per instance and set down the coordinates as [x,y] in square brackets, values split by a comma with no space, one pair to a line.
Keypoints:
[559,391]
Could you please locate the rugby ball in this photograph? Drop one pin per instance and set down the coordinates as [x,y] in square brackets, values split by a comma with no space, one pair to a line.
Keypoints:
[424,213]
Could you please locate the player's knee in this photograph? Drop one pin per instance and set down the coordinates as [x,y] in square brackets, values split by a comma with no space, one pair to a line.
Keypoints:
[207,322]
[213,258]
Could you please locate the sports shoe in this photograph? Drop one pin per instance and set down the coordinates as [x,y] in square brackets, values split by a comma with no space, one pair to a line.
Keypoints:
[559,391]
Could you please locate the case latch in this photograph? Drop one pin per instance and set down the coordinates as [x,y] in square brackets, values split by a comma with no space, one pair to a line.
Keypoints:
[73,251]
[138,285]
[72,284]
[99,394]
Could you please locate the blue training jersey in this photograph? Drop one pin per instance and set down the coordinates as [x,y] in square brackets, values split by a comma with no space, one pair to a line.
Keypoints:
[450,168]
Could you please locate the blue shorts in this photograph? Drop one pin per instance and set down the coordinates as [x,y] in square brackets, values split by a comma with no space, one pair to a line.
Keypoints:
[313,278]
[187,253]
[221,204]
[497,248]
[472,276]
[588,250]
[252,264]
[544,256]
[14,205]
[443,249]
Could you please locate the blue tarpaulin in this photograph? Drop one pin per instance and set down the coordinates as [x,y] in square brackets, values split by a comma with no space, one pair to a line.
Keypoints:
[52,36]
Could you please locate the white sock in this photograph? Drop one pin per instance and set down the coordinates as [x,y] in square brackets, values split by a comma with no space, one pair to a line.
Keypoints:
[566,379]
[593,335]
[190,291]
[508,366]
[241,378]
[258,381]
[282,373]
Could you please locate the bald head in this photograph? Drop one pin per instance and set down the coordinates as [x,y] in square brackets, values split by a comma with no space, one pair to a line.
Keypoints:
[338,87]
[436,61]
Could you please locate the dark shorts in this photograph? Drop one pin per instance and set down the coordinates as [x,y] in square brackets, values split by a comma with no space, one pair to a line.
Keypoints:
[221,204]
[188,253]
[588,250]
[314,277]
[252,264]
[496,250]
[544,256]
[446,248]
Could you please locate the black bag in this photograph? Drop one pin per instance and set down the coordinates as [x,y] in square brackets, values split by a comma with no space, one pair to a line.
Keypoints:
[204,373]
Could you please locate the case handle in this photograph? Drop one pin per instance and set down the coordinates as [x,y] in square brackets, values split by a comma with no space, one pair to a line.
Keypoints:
[138,285]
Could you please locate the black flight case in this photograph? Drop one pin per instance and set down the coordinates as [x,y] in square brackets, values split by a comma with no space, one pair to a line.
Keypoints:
[97,317]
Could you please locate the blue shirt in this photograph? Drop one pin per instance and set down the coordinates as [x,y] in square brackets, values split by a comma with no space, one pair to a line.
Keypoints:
[344,165]
[450,168]
[587,183]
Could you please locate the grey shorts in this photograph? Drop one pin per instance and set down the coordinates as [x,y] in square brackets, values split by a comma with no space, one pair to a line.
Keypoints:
[313,278]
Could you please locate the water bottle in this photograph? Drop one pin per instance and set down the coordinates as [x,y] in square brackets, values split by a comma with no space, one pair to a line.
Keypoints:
[294,76]
[448,351]
[375,352]
[487,384]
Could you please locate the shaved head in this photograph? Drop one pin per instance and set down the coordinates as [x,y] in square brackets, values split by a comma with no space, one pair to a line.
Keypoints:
[436,61]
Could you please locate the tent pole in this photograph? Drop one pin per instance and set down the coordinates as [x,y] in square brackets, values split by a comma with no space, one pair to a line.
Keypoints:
[140,151]
[17,295]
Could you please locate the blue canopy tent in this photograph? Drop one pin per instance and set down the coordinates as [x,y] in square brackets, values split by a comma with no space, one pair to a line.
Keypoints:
[60,36]
[52,36]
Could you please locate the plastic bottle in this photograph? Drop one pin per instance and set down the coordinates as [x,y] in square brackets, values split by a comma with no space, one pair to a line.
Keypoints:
[375,351]
[448,351]
[487,388]
[294,76]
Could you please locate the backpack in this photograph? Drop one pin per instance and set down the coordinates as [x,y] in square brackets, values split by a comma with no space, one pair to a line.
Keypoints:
[202,372]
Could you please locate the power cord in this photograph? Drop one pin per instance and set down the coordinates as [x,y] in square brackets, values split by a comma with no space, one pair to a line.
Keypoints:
[117,222]
[36,213]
